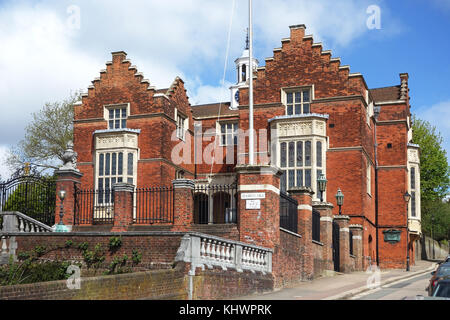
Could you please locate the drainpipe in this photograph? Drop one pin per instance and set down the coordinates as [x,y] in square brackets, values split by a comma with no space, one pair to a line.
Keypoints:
[376,115]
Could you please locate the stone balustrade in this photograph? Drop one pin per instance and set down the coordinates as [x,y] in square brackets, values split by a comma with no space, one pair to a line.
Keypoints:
[204,250]
[13,222]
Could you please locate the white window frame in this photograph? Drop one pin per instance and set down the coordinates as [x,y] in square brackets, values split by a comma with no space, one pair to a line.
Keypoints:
[114,107]
[233,134]
[313,167]
[295,91]
[182,123]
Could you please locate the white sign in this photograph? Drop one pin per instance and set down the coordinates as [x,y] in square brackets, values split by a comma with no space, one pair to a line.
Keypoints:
[253,204]
[252,196]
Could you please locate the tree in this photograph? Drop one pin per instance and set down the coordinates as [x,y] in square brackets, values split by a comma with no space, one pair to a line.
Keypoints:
[46,137]
[435,178]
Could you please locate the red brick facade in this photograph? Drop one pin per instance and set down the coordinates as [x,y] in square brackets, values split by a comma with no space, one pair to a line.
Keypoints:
[341,105]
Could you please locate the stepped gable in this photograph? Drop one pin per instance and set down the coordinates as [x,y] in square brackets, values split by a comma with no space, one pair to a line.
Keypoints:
[300,61]
[121,82]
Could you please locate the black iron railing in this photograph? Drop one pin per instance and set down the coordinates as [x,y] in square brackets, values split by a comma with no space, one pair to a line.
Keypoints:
[154,205]
[33,196]
[93,207]
[316,225]
[288,212]
[215,204]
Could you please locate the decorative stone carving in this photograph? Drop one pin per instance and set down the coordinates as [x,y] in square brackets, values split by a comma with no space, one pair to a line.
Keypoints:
[413,156]
[69,158]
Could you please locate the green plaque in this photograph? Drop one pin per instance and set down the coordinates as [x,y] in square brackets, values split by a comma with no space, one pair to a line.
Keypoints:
[392,236]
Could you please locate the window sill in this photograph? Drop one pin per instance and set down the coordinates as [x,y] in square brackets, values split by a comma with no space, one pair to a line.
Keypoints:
[318,243]
[352,256]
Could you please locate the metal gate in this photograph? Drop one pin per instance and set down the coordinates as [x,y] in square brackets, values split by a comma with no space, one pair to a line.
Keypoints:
[31,195]
[336,256]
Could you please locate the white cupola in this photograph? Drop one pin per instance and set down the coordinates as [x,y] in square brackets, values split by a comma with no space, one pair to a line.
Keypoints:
[243,74]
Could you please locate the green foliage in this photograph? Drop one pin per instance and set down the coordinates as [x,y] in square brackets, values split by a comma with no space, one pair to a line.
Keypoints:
[434,169]
[47,135]
[68,243]
[435,179]
[32,199]
[440,228]
[40,250]
[94,258]
[83,246]
[117,266]
[115,243]
[136,257]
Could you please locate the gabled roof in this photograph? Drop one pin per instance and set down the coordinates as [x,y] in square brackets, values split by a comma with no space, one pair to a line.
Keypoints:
[212,110]
[386,94]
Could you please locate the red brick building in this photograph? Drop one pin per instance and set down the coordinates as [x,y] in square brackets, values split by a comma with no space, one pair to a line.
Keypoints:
[312,116]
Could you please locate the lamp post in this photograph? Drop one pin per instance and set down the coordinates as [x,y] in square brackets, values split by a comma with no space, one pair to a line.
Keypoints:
[322,184]
[340,200]
[407,198]
[61,227]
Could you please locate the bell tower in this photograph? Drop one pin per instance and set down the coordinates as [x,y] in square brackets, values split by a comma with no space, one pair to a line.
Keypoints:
[243,74]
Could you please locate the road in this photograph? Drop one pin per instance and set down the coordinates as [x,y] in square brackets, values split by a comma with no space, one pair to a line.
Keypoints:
[398,290]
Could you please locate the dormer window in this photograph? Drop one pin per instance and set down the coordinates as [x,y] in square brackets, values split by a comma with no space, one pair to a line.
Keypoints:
[117,118]
[297,101]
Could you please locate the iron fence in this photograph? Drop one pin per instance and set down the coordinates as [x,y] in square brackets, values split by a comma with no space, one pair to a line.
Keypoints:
[94,207]
[288,212]
[33,196]
[215,204]
[316,225]
[154,205]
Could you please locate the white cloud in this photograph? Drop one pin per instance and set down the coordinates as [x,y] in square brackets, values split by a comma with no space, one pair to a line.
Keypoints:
[41,59]
[438,116]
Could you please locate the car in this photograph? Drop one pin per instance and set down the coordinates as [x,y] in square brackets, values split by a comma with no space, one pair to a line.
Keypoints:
[448,259]
[442,289]
[441,272]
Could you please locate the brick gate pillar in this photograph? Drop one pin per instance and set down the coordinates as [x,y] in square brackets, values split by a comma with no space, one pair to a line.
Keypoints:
[259,204]
[344,243]
[326,232]
[183,204]
[357,231]
[67,180]
[123,206]
[303,195]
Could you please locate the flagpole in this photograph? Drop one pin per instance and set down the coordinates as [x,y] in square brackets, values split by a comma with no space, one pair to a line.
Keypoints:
[250,97]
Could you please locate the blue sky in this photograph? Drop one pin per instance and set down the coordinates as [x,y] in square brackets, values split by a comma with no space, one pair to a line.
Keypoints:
[44,54]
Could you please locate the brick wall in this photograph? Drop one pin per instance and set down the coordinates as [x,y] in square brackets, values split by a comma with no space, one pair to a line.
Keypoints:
[319,263]
[216,284]
[160,284]
[287,260]
[158,249]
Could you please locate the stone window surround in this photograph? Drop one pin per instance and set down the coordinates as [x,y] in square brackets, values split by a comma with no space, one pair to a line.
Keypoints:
[108,107]
[185,124]
[316,133]
[115,141]
[219,133]
[286,90]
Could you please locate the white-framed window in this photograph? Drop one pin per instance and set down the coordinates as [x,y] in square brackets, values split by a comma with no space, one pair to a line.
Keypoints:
[117,117]
[114,167]
[297,101]
[228,134]
[181,126]
[301,162]
[369,177]
[413,192]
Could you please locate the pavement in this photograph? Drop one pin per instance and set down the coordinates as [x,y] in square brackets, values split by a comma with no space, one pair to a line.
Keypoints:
[344,286]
